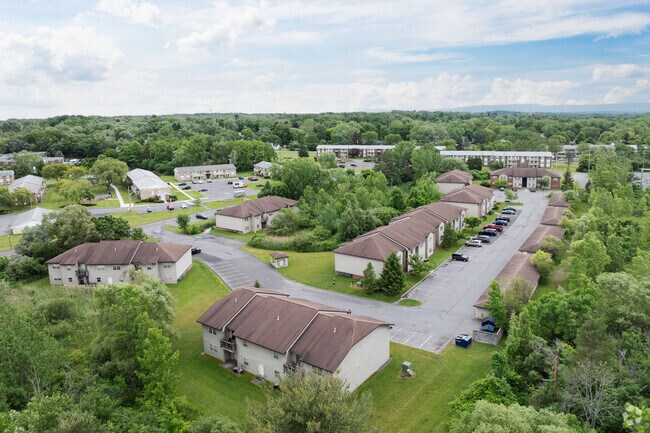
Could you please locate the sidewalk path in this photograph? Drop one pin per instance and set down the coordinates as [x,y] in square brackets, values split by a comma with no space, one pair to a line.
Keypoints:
[119,196]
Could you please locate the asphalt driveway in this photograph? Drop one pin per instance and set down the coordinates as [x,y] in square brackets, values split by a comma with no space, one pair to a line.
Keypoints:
[447,295]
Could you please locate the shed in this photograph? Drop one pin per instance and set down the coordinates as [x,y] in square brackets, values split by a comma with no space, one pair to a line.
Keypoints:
[280,259]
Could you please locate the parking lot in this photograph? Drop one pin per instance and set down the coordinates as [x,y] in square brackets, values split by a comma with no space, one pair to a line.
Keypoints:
[449,293]
[220,190]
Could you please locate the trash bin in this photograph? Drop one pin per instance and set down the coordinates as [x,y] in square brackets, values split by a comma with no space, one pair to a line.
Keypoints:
[464,340]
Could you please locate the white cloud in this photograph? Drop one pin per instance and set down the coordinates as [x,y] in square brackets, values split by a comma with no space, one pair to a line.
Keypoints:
[625,70]
[402,57]
[136,11]
[619,94]
[522,91]
[222,25]
[59,54]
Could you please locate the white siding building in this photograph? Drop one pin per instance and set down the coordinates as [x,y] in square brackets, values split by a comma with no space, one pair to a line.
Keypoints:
[109,262]
[204,172]
[251,216]
[263,168]
[31,218]
[34,184]
[145,184]
[452,180]
[268,334]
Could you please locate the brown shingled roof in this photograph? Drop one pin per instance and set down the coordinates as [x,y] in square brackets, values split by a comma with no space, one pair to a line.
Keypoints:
[258,206]
[329,338]
[534,241]
[557,199]
[525,172]
[481,190]
[518,266]
[552,215]
[275,322]
[441,212]
[278,255]
[124,252]
[455,176]
[222,311]
[463,195]
[375,247]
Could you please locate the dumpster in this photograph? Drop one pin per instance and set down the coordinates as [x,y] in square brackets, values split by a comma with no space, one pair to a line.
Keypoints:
[464,340]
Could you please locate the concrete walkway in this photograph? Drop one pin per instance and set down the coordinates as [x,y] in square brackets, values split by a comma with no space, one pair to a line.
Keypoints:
[180,190]
[119,196]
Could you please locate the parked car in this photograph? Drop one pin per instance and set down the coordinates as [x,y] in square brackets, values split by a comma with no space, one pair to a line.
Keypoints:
[510,208]
[186,187]
[239,184]
[353,165]
[183,206]
[149,210]
[209,181]
[508,212]
[494,227]
[488,232]
[474,243]
[254,179]
[507,200]
[170,206]
[460,257]
[504,218]
[498,222]
[195,250]
[483,238]
[182,184]
[203,190]
[230,182]
[241,177]
[201,217]
[502,189]
[249,178]
[533,190]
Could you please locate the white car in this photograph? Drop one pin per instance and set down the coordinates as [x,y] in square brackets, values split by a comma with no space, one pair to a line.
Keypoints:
[183,206]
[474,243]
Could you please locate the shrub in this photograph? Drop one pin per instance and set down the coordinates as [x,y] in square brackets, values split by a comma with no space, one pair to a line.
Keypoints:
[58,310]
[485,183]
[23,268]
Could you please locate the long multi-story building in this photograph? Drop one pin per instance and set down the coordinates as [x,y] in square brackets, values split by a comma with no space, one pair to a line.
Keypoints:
[508,159]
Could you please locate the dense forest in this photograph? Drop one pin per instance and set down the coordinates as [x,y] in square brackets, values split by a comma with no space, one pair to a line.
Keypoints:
[161,143]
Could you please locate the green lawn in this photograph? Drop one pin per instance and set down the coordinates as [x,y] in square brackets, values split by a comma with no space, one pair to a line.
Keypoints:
[201,223]
[207,385]
[226,203]
[242,237]
[421,404]
[317,270]
[137,219]
[53,200]
[8,242]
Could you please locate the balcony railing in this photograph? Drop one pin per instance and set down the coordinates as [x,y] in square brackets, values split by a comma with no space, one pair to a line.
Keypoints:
[291,366]
[82,272]
[228,345]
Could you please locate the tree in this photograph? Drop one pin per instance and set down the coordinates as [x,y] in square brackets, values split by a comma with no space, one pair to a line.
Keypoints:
[495,165]
[21,197]
[516,295]
[311,402]
[109,171]
[417,265]
[112,228]
[512,195]
[544,182]
[552,245]
[75,172]
[298,174]
[76,190]
[391,280]
[26,163]
[183,221]
[543,262]
[490,417]
[473,222]
[496,306]
[475,163]
[157,370]
[214,424]
[397,200]
[303,152]
[54,171]
[490,389]
[5,198]
[449,237]
[327,160]
[588,256]
[567,183]
[369,280]
[500,183]
[58,232]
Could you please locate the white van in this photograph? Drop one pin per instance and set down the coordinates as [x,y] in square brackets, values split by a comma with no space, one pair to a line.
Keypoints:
[238,184]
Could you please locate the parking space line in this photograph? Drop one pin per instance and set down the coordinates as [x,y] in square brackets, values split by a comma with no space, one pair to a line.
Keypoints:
[396,332]
[407,340]
[425,342]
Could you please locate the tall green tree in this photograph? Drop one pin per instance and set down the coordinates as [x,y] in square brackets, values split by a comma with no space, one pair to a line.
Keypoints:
[392,275]
[496,306]
[369,280]
[109,171]
[311,402]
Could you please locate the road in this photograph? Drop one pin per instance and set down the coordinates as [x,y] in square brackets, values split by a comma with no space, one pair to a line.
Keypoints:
[447,295]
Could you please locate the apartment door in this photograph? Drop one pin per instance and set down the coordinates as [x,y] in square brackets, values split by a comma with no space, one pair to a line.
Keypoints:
[260,370]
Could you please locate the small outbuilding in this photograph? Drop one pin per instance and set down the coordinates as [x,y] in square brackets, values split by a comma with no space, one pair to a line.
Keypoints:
[280,259]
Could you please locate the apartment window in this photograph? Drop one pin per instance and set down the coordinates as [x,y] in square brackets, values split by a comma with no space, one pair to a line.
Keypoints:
[68,268]
[212,330]
[167,266]
[245,361]
[117,267]
[148,268]
[100,267]
[56,267]
[57,279]
[69,279]
[214,347]
[244,343]
[99,279]
[276,355]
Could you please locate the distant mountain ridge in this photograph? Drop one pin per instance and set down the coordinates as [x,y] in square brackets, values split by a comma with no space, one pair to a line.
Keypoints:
[637,108]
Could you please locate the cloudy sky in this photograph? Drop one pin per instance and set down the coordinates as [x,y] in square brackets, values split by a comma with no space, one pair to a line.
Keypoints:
[112,57]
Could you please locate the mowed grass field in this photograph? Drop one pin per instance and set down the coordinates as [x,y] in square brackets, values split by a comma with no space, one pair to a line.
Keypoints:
[207,385]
